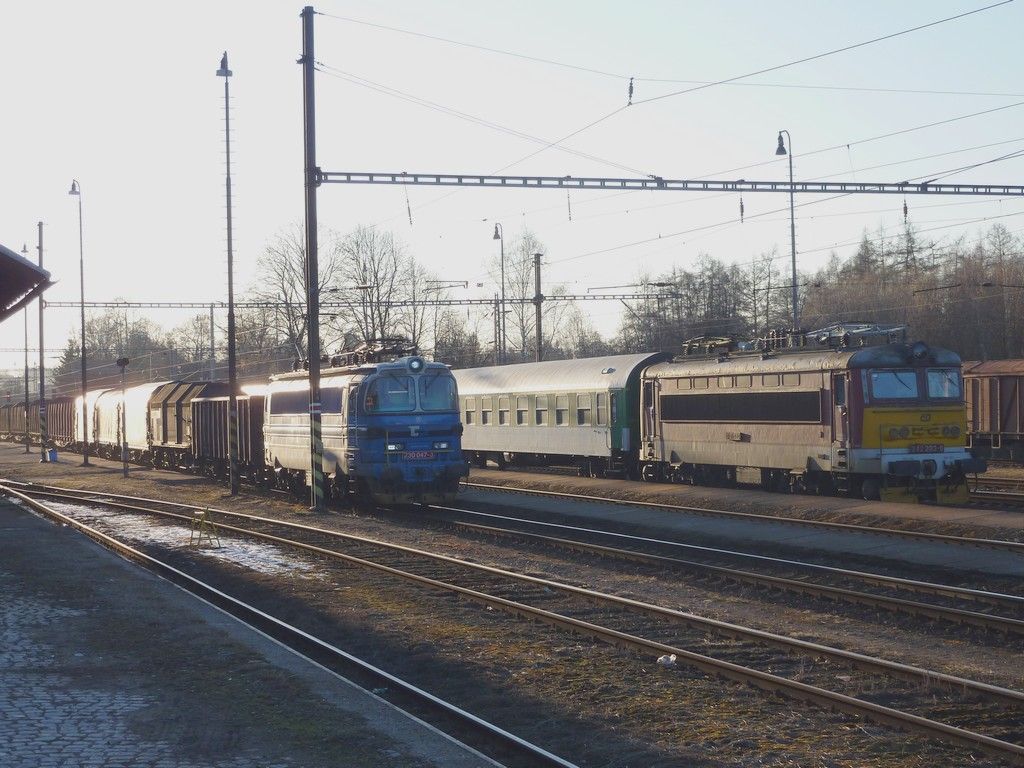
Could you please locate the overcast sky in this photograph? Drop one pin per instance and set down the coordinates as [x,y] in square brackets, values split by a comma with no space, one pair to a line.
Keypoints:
[123,97]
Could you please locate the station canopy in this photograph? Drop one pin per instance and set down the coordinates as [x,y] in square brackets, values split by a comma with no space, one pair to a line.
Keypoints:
[20,282]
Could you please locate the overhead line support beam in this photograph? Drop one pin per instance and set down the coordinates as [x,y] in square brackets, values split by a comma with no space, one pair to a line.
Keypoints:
[656,183]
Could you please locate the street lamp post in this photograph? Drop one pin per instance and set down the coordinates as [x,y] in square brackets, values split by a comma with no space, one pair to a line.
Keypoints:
[232,373]
[499,234]
[76,190]
[28,441]
[781,150]
[122,363]
[44,433]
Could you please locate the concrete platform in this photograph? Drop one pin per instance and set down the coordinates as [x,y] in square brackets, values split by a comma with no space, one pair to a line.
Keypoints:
[104,664]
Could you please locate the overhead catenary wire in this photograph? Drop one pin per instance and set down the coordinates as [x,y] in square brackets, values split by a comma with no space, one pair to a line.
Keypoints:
[623,76]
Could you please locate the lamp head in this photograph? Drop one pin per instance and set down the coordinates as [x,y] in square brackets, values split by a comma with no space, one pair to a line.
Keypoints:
[497,235]
[74,188]
[122,362]
[781,149]
[224,71]
[24,248]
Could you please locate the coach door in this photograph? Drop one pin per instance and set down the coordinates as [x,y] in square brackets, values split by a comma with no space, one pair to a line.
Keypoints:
[841,412]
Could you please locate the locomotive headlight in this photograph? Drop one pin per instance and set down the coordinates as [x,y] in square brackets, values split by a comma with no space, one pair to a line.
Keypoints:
[395,446]
[441,445]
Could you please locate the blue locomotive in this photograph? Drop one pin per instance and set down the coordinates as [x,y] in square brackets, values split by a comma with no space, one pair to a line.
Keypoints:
[391,430]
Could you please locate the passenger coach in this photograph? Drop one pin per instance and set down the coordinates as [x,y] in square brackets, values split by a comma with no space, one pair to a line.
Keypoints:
[582,411]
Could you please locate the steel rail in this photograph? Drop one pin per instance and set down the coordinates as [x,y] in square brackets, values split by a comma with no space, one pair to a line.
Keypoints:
[1013,546]
[997,598]
[292,636]
[910,672]
[955,615]
[763,680]
[860,660]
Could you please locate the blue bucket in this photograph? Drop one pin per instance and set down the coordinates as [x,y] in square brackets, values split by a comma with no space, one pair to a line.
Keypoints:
[51,455]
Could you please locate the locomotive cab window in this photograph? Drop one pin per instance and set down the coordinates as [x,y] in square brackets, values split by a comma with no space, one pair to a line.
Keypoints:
[437,393]
[893,385]
[390,394]
[944,384]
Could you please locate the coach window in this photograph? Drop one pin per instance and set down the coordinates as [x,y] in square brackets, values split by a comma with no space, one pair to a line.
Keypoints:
[615,407]
[542,409]
[602,409]
[725,382]
[683,383]
[743,382]
[561,410]
[700,382]
[485,410]
[522,409]
[583,403]
[330,400]
[470,409]
[791,379]
[770,379]
[504,409]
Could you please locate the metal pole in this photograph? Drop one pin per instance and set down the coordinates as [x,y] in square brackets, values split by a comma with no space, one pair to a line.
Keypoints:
[76,189]
[312,277]
[28,440]
[503,357]
[210,366]
[538,300]
[497,331]
[792,235]
[232,371]
[122,363]
[44,433]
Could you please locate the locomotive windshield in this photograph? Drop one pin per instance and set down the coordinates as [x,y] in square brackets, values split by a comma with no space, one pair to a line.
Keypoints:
[391,393]
[437,393]
[894,385]
[944,383]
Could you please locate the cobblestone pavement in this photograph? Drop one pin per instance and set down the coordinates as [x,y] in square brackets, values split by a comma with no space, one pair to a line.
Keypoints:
[100,667]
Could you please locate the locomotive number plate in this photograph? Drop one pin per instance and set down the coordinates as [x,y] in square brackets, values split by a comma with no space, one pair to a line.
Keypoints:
[927,448]
[419,454]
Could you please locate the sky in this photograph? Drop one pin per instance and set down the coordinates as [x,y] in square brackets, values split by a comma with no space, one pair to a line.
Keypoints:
[124,98]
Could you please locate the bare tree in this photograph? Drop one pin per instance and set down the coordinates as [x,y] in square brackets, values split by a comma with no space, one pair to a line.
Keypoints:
[281,279]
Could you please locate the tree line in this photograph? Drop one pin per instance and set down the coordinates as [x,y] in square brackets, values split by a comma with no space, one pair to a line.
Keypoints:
[965,294]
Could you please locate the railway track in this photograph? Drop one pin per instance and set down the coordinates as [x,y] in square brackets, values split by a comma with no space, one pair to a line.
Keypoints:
[998,490]
[480,733]
[977,715]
